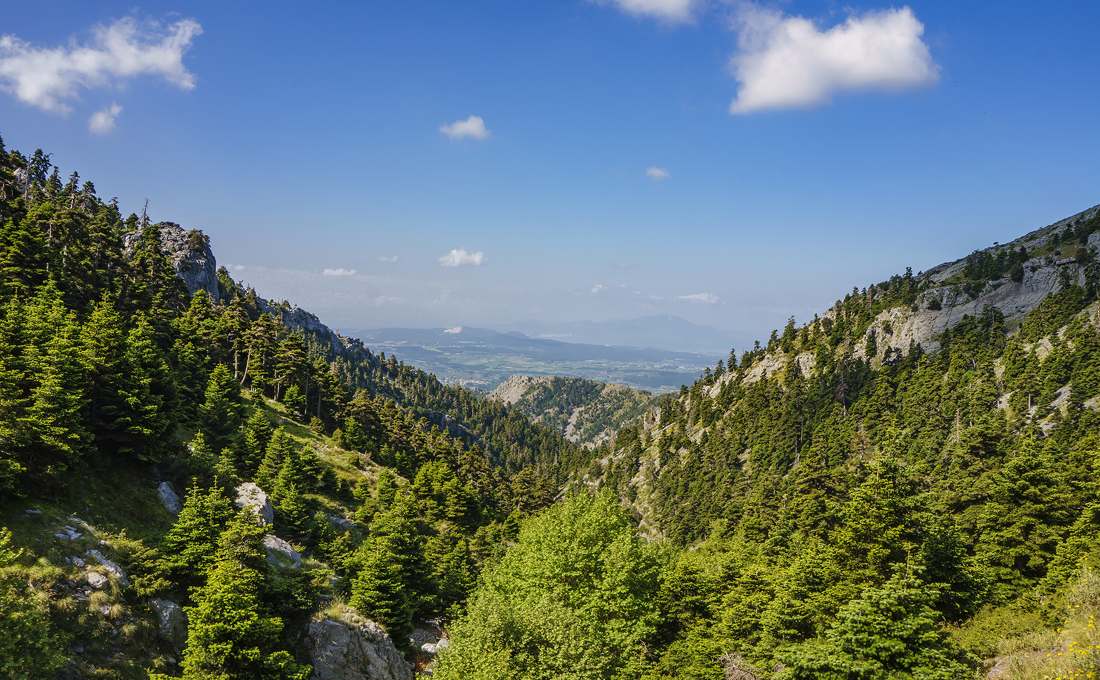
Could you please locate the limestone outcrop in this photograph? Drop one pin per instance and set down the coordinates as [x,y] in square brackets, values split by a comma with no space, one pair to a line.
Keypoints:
[251,496]
[171,622]
[280,553]
[169,498]
[354,648]
[189,253]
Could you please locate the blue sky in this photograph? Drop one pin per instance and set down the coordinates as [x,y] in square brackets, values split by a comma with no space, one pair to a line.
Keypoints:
[729,162]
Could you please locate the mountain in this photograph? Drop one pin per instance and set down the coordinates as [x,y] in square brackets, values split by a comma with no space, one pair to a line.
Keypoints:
[484,358]
[585,412]
[663,331]
[905,486]
[931,443]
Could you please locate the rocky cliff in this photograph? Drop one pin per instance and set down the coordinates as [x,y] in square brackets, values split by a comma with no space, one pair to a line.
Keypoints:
[190,254]
[193,260]
[944,301]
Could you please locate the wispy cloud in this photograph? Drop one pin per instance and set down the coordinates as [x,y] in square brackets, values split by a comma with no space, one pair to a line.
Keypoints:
[624,265]
[787,62]
[473,126]
[459,257]
[667,10]
[47,77]
[386,258]
[103,121]
[338,272]
[701,298]
[599,287]
[657,174]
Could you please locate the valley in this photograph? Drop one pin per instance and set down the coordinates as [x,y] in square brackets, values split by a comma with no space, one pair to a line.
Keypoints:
[199,482]
[481,359]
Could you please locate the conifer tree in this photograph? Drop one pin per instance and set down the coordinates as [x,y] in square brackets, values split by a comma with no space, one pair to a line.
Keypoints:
[227,636]
[220,414]
[193,538]
[254,442]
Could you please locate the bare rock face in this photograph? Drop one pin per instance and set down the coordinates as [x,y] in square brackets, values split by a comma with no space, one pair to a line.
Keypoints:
[171,622]
[169,498]
[251,496]
[354,649]
[280,553]
[190,254]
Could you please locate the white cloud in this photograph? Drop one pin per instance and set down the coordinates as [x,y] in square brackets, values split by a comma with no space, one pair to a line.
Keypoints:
[47,77]
[657,174]
[597,288]
[338,272]
[624,265]
[103,121]
[386,258]
[668,10]
[787,62]
[473,126]
[459,257]
[701,298]
[453,331]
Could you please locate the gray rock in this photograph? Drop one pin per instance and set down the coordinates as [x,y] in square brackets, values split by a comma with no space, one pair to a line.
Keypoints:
[433,648]
[190,255]
[171,622]
[340,522]
[253,497]
[169,498]
[110,566]
[280,553]
[354,649]
[96,580]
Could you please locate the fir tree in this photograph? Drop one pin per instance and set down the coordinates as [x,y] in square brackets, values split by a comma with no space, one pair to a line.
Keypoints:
[227,636]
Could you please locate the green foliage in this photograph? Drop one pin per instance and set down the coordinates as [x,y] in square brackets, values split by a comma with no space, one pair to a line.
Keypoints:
[574,598]
[888,632]
[194,537]
[227,636]
[28,650]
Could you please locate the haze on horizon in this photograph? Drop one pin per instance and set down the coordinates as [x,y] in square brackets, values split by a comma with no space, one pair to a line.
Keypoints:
[431,165]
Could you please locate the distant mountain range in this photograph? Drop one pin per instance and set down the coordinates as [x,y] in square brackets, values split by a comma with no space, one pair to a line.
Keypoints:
[482,358]
[663,331]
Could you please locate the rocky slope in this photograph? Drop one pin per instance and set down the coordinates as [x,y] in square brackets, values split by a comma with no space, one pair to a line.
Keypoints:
[945,300]
[194,262]
[586,412]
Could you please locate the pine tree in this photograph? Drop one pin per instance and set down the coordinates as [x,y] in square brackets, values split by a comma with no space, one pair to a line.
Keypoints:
[257,434]
[379,593]
[193,538]
[227,636]
[278,451]
[220,414]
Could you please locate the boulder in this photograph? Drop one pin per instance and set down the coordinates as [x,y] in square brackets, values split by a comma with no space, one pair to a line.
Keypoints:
[96,579]
[110,566]
[169,498]
[280,553]
[253,497]
[354,649]
[171,622]
[434,648]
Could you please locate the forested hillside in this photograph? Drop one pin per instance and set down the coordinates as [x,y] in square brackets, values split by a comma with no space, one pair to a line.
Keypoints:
[124,366]
[586,412]
[904,487]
